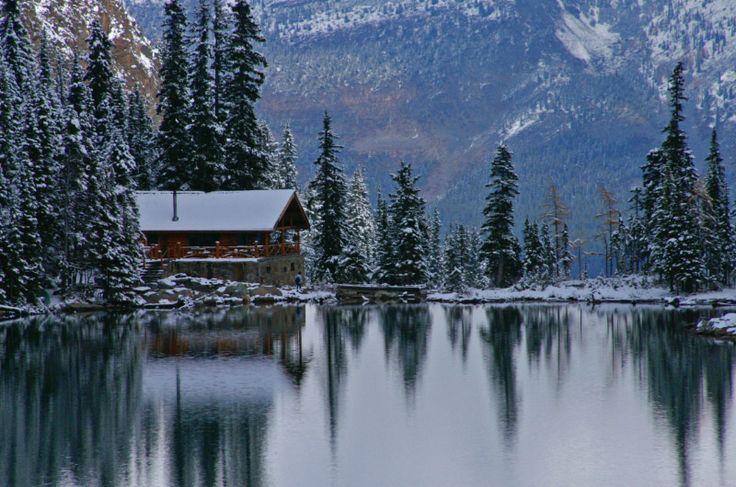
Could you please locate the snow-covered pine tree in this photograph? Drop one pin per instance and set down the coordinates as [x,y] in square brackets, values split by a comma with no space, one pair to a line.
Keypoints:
[410,234]
[500,249]
[677,257]
[636,242]
[533,259]
[721,250]
[16,45]
[142,142]
[246,166]
[566,258]
[473,267]
[549,256]
[99,74]
[79,151]
[454,269]
[361,222]
[119,263]
[287,161]
[269,149]
[175,168]
[47,160]
[435,251]
[203,128]
[221,27]
[329,194]
[383,250]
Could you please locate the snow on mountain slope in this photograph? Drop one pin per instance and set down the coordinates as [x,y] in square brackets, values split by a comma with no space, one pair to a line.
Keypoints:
[66,22]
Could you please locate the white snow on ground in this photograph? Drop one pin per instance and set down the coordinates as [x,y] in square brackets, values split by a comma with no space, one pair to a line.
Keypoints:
[627,290]
[725,325]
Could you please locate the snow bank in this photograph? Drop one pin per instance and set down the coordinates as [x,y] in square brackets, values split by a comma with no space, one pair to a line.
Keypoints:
[613,290]
[724,326]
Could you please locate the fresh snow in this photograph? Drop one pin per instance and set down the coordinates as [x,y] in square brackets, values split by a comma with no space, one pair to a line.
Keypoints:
[585,38]
[234,211]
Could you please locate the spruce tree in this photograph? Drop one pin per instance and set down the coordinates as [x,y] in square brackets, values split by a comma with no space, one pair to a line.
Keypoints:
[435,251]
[383,249]
[720,250]
[176,170]
[500,249]
[675,250]
[141,142]
[329,194]
[16,44]
[533,252]
[566,258]
[269,149]
[473,268]
[221,27]
[360,215]
[549,256]
[246,166]
[407,217]
[48,157]
[99,74]
[454,268]
[287,156]
[203,129]
[79,151]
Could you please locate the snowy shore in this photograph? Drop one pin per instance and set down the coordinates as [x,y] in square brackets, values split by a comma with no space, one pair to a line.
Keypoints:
[632,290]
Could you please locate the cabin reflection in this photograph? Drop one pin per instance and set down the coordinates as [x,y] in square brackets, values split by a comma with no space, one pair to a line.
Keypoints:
[274,332]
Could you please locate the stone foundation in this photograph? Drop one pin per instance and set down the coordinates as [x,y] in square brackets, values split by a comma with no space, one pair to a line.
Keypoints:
[272,271]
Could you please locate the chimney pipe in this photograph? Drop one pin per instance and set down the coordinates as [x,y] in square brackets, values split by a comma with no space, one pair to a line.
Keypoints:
[176,213]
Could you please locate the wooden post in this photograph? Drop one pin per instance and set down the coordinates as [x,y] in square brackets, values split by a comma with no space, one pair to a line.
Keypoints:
[267,241]
[217,249]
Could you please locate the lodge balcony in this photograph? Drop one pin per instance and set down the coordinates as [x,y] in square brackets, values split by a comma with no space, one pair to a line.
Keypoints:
[179,251]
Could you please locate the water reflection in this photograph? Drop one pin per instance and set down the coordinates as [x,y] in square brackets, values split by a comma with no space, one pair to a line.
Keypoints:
[69,391]
[405,341]
[261,396]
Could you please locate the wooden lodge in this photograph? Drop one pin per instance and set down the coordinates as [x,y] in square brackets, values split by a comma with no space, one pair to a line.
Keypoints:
[250,236]
[221,224]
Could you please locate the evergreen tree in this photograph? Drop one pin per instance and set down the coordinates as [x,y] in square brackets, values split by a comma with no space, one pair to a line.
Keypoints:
[533,252]
[99,74]
[48,157]
[221,40]
[203,129]
[360,215]
[176,171]
[637,233]
[500,249]
[383,249]
[549,256]
[566,258]
[247,166]
[16,45]
[141,142]
[78,155]
[269,149]
[435,251]
[675,250]
[720,249]
[472,266]
[455,248]
[407,217]
[287,161]
[329,192]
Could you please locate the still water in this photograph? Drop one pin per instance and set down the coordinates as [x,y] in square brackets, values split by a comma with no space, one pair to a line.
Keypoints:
[390,396]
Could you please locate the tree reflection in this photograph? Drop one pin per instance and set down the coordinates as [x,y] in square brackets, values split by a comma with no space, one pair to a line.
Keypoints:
[500,337]
[69,391]
[342,327]
[406,339]
[459,325]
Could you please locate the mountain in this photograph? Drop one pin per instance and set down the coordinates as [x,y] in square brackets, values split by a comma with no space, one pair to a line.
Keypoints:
[576,88]
[66,25]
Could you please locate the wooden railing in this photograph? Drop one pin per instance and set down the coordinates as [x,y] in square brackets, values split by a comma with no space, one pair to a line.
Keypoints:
[178,251]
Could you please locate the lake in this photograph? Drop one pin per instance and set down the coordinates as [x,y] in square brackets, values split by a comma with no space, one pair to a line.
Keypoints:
[528,395]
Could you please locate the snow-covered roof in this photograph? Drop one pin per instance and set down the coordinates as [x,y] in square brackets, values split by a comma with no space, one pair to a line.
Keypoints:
[219,211]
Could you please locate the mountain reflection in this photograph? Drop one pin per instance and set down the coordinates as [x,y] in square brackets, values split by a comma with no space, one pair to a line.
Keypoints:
[406,340]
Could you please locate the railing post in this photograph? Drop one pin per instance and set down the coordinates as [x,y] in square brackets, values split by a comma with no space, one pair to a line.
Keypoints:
[217,249]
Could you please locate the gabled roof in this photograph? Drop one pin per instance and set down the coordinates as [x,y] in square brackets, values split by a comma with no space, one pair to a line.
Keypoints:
[220,211]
